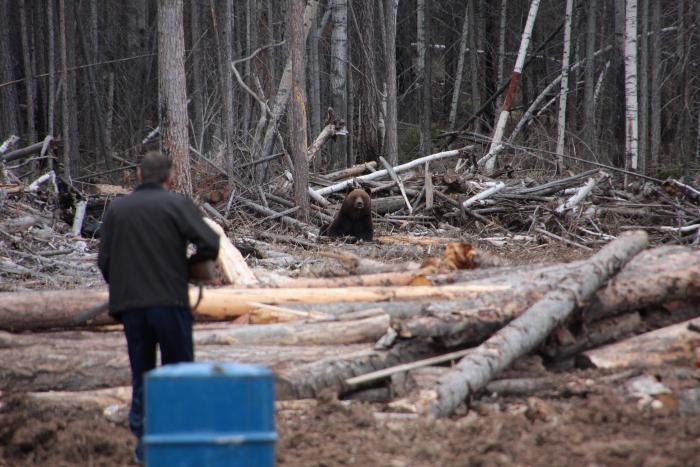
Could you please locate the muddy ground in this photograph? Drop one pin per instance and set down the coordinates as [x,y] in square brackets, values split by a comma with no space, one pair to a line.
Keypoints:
[585,419]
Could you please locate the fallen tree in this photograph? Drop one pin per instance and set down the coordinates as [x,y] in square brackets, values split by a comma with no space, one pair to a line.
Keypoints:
[521,336]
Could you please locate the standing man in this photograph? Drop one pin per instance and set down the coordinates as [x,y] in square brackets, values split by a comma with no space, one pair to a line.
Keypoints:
[143,258]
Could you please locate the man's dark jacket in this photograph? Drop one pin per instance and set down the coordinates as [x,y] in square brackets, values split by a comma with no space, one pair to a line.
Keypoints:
[143,248]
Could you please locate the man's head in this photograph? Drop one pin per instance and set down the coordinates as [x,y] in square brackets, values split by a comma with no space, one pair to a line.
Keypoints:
[155,168]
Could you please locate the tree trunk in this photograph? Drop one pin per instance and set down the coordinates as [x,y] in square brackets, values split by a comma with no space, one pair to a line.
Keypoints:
[474,371]
[631,99]
[9,120]
[644,88]
[500,69]
[489,160]
[197,89]
[457,89]
[172,92]
[474,60]
[298,143]
[589,120]
[51,88]
[392,145]
[314,77]
[564,90]
[28,67]
[424,76]
[339,74]
[656,80]
[78,361]
[228,113]
[68,159]
[672,345]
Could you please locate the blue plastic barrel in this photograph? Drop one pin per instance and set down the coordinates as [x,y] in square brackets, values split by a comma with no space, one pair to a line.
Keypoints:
[210,414]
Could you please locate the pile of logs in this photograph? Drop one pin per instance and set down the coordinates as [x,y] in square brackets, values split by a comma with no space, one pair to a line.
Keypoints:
[627,305]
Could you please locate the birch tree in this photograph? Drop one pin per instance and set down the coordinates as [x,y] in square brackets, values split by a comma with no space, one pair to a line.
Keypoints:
[631,102]
[489,160]
[457,89]
[564,90]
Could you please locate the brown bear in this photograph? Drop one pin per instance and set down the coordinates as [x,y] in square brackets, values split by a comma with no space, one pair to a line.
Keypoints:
[354,217]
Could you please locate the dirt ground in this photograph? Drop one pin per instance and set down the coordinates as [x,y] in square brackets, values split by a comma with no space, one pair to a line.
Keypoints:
[583,419]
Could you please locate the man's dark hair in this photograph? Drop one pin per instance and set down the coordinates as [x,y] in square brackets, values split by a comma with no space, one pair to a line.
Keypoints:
[155,167]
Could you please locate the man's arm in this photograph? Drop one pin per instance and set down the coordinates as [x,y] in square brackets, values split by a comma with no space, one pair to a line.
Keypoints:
[105,245]
[197,232]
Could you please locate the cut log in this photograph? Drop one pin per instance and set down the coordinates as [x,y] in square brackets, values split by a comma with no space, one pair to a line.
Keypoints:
[299,333]
[307,381]
[595,334]
[653,277]
[235,269]
[59,309]
[672,345]
[351,171]
[521,336]
[77,361]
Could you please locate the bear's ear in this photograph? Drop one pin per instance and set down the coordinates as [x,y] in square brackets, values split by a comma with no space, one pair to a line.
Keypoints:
[368,190]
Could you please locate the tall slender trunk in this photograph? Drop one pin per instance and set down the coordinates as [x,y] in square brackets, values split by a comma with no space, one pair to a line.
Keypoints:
[500,69]
[228,111]
[424,76]
[51,86]
[656,80]
[589,120]
[297,108]
[9,100]
[339,76]
[172,92]
[196,93]
[564,90]
[314,78]
[65,107]
[28,66]
[457,89]
[392,145]
[474,60]
[644,88]
[631,99]
[489,160]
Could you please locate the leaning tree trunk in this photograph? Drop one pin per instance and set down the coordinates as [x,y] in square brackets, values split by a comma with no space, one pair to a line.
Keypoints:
[631,99]
[172,91]
[564,90]
[460,69]
[489,160]
[392,145]
[298,109]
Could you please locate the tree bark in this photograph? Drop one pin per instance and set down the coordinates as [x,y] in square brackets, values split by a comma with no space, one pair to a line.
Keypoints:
[392,145]
[339,74]
[172,92]
[672,345]
[457,88]
[474,371]
[564,89]
[631,98]
[656,80]
[298,143]
[489,160]
[424,76]
[589,118]
[644,88]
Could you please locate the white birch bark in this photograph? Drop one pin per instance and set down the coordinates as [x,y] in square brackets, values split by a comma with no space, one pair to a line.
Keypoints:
[564,90]
[460,69]
[631,99]
[489,160]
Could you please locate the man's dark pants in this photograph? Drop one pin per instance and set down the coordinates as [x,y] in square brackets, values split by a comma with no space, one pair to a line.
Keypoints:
[171,329]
